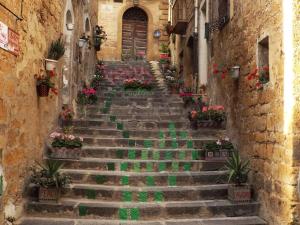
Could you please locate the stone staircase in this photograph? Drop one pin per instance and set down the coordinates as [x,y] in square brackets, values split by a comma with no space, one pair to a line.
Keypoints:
[141,164]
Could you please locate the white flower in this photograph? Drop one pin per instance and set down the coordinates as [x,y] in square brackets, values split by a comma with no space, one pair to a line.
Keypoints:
[55,135]
[71,137]
[81,139]
[227,139]
[219,142]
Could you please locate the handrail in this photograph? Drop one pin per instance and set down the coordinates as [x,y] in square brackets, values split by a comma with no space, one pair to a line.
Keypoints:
[18,17]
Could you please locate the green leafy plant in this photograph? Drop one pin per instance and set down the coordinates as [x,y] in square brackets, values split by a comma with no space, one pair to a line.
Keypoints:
[57,49]
[238,169]
[47,175]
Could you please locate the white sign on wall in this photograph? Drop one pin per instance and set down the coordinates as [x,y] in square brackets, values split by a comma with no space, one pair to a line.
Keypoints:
[3,36]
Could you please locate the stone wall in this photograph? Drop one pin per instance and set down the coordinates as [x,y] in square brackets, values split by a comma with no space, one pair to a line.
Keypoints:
[110,17]
[256,118]
[25,119]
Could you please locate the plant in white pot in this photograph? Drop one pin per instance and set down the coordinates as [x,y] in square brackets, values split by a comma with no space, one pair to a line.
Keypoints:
[56,51]
[238,190]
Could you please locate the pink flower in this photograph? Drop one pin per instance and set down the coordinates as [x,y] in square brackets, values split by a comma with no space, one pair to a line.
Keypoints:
[71,137]
[55,135]
[205,109]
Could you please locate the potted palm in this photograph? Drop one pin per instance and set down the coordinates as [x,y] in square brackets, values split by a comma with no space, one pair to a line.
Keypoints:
[49,180]
[238,170]
[56,51]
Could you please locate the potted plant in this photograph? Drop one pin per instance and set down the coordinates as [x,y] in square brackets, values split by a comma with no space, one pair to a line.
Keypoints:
[218,150]
[238,169]
[212,116]
[164,51]
[135,84]
[49,180]
[65,145]
[56,51]
[100,37]
[66,116]
[87,96]
[44,84]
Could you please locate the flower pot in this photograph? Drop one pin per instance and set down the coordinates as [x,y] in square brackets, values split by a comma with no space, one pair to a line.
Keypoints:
[50,194]
[42,90]
[81,42]
[50,64]
[217,154]
[210,124]
[70,26]
[66,123]
[65,153]
[239,194]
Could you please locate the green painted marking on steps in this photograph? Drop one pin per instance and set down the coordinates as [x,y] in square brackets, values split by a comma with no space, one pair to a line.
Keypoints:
[124,166]
[120,154]
[187,167]
[162,166]
[135,214]
[137,167]
[148,144]
[123,215]
[158,196]
[100,179]
[161,135]
[125,134]
[145,155]
[162,144]
[82,210]
[156,155]
[149,167]
[126,196]
[171,126]
[91,194]
[172,180]
[195,155]
[173,134]
[131,143]
[190,144]
[143,197]
[111,167]
[168,155]
[183,134]
[113,119]
[125,180]
[120,126]
[175,166]
[182,155]
[174,144]
[132,154]
[150,181]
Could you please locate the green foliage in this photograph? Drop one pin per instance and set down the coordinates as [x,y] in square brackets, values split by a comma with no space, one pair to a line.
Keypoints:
[238,169]
[66,143]
[48,175]
[164,48]
[57,49]
[218,145]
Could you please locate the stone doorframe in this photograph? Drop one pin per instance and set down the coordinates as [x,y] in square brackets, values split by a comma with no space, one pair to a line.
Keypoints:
[151,28]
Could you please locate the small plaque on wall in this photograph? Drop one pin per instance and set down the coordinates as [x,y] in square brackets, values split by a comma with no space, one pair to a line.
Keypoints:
[9,39]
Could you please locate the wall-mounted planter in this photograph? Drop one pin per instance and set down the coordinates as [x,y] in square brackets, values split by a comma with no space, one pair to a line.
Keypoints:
[81,42]
[50,64]
[42,90]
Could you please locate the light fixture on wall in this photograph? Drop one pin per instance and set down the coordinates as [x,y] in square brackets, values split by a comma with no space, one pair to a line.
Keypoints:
[157,34]
[235,72]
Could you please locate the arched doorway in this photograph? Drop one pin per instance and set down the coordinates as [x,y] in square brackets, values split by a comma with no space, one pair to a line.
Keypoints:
[134,33]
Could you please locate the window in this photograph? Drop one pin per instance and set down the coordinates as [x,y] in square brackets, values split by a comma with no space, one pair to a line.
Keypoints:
[223,12]
[118,1]
[263,60]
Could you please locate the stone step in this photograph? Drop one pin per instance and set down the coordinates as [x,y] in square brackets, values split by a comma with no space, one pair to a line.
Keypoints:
[141,165]
[77,208]
[80,176]
[250,220]
[180,134]
[141,142]
[142,98]
[141,153]
[148,104]
[116,193]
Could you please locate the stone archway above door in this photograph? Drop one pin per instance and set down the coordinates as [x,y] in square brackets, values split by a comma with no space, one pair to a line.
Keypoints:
[134,33]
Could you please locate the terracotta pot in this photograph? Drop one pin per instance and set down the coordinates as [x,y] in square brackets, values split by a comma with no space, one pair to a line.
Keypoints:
[50,64]
[239,193]
[42,90]
[51,194]
[65,153]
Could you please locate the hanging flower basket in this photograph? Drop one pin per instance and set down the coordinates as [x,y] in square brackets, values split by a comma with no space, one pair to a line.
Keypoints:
[50,64]
[42,90]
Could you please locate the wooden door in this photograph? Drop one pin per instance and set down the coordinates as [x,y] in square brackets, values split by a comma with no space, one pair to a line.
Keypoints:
[134,34]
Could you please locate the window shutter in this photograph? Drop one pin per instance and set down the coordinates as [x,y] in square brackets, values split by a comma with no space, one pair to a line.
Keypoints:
[224,11]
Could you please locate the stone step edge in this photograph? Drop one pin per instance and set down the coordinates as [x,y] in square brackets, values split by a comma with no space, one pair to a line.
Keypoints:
[223,220]
[139,174]
[100,148]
